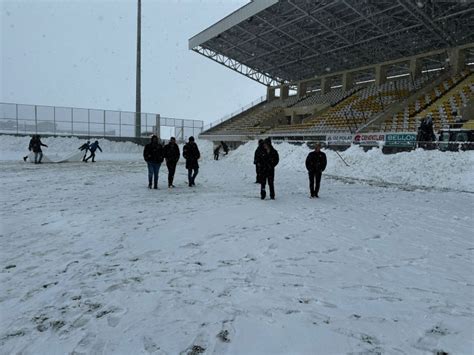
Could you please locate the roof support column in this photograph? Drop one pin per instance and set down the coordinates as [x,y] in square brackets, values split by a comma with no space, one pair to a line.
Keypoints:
[270,93]
[284,92]
[302,87]
[415,67]
[325,85]
[347,81]
[380,74]
[456,59]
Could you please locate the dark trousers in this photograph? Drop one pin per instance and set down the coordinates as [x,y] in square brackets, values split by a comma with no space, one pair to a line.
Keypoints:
[153,171]
[84,157]
[91,156]
[314,177]
[263,181]
[216,156]
[171,170]
[192,173]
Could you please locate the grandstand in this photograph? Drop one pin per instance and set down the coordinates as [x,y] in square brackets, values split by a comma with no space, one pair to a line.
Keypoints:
[345,67]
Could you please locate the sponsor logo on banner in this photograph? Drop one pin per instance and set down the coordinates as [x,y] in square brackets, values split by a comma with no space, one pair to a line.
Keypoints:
[369,139]
[400,139]
[339,139]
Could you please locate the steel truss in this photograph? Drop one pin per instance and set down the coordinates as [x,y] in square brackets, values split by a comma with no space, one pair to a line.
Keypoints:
[300,39]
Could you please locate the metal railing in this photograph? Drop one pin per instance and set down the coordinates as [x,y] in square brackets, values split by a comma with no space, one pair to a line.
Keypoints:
[230,115]
[56,120]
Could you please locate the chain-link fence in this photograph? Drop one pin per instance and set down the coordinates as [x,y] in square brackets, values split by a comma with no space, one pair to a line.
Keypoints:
[54,120]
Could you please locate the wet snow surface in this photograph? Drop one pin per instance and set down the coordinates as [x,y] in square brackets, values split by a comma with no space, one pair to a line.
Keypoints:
[94,262]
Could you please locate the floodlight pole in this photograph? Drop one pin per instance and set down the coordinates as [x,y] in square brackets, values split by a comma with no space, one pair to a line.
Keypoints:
[138,108]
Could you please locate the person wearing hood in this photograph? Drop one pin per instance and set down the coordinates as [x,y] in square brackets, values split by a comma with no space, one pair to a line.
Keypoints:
[315,164]
[171,154]
[258,151]
[192,155]
[85,148]
[267,159]
[92,148]
[153,155]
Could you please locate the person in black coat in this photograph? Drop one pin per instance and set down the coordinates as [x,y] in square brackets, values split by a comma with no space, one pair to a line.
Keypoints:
[256,154]
[192,155]
[153,155]
[225,147]
[35,146]
[92,148]
[267,159]
[171,153]
[85,147]
[315,164]
[216,152]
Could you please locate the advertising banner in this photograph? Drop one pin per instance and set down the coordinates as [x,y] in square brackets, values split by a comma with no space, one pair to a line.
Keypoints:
[339,139]
[369,139]
[400,140]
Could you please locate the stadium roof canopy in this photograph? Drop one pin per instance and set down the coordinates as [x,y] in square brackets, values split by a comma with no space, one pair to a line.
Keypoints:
[274,41]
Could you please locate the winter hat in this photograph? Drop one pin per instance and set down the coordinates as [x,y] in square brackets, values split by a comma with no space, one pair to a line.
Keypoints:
[191,139]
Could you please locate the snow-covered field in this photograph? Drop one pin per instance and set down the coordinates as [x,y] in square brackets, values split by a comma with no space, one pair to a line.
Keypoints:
[94,262]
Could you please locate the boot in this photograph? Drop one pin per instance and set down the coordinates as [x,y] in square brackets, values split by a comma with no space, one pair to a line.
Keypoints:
[263,193]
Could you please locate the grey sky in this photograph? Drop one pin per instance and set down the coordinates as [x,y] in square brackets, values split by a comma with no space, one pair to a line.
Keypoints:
[82,54]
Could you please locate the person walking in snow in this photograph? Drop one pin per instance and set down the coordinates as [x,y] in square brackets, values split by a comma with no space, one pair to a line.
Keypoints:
[171,154]
[225,147]
[92,148]
[216,152]
[315,164]
[267,159]
[192,155]
[257,166]
[153,155]
[85,148]
[35,146]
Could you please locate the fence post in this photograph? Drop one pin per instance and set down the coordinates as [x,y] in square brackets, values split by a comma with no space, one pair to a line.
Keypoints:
[54,120]
[89,122]
[17,122]
[36,119]
[72,121]
[120,123]
[104,123]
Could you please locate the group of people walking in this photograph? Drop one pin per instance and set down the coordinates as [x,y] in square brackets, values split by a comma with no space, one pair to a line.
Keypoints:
[266,158]
[154,155]
[88,147]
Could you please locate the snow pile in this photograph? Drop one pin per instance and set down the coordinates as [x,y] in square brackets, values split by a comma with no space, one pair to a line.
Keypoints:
[13,148]
[453,170]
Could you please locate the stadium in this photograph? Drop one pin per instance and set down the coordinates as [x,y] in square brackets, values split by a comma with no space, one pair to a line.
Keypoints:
[94,259]
[339,71]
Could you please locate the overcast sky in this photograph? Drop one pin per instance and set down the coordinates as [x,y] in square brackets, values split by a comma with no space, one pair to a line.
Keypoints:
[82,54]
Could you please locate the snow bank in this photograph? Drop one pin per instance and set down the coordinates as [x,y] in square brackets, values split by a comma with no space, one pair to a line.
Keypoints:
[13,148]
[438,169]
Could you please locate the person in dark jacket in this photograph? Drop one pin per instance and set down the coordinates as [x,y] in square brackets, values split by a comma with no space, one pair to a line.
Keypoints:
[35,147]
[256,154]
[85,148]
[92,148]
[216,152]
[192,155]
[267,159]
[315,164]
[153,155]
[225,147]
[171,153]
